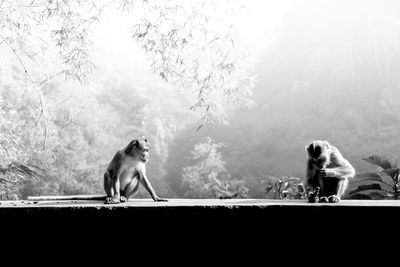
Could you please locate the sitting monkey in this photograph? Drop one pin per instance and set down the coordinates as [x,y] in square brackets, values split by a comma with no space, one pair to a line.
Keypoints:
[126,170]
[327,172]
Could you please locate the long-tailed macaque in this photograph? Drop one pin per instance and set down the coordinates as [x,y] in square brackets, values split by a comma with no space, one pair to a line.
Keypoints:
[126,170]
[327,172]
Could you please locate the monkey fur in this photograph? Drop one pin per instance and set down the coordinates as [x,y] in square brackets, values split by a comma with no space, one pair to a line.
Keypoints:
[327,172]
[126,170]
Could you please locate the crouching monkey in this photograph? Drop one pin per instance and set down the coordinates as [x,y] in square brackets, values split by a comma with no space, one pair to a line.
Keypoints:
[126,170]
[327,172]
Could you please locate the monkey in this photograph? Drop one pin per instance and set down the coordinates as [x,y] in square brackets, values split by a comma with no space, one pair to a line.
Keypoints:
[126,170]
[327,172]
[122,177]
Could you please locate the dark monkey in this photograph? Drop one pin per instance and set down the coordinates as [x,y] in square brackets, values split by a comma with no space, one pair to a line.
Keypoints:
[126,170]
[327,172]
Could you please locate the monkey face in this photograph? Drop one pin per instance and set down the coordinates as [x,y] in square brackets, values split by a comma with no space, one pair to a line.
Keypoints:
[318,152]
[144,154]
[140,148]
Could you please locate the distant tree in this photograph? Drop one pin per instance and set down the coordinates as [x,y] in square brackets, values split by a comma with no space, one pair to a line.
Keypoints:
[208,177]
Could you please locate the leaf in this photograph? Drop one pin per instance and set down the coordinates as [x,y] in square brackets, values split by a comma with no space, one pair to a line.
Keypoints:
[391,172]
[359,196]
[377,195]
[268,189]
[371,194]
[364,188]
[286,185]
[294,179]
[218,182]
[301,188]
[367,176]
[381,161]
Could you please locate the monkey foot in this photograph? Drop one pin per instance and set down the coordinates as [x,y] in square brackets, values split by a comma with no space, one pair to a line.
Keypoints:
[158,199]
[323,200]
[333,199]
[313,199]
[110,200]
[123,199]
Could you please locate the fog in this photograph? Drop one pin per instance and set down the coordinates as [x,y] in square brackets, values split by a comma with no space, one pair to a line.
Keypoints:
[325,70]
[328,70]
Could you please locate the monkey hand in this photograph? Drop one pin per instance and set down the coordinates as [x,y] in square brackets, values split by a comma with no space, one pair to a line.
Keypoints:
[158,199]
[326,173]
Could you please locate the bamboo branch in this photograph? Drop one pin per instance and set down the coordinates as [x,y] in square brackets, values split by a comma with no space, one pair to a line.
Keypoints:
[41,100]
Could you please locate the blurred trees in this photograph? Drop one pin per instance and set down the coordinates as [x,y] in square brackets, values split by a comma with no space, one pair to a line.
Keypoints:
[207,177]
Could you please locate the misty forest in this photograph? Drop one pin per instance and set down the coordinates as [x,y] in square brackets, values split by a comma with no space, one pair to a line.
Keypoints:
[227,92]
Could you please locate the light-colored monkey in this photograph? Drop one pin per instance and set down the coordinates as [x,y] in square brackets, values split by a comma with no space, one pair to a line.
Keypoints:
[122,178]
[126,171]
[327,172]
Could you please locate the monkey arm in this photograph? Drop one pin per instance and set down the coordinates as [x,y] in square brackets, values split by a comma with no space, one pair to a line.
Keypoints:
[146,183]
[312,180]
[310,171]
[343,171]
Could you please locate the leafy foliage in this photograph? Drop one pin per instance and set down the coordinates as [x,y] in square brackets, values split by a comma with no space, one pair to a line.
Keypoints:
[284,187]
[371,185]
[228,189]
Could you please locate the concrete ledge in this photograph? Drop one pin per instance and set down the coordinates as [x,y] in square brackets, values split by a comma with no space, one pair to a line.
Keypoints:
[227,203]
[197,218]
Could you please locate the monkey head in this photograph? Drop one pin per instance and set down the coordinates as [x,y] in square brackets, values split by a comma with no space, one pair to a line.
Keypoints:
[319,153]
[139,148]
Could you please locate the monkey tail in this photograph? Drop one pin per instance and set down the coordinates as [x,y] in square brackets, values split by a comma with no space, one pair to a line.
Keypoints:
[70,197]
